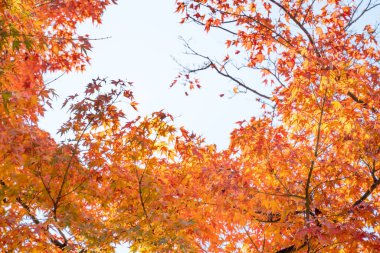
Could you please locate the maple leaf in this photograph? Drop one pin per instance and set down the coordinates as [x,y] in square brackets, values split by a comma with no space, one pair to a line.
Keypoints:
[290,160]
[303,175]
[134,105]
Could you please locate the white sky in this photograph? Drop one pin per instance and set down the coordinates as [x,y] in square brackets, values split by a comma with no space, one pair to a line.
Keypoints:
[144,39]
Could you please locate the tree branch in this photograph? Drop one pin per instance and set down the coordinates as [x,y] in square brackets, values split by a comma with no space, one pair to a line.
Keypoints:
[301,26]
[367,193]
[212,64]
[366,9]
[37,222]
[292,248]
[358,100]
[251,240]
[316,149]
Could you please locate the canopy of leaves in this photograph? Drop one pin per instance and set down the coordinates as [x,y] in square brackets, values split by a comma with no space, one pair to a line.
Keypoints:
[302,177]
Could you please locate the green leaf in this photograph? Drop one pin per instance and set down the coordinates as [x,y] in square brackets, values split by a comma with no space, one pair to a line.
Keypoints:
[28,43]
[6,95]
[16,44]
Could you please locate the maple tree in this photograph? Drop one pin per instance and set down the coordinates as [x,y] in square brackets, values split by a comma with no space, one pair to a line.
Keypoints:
[37,37]
[113,178]
[302,177]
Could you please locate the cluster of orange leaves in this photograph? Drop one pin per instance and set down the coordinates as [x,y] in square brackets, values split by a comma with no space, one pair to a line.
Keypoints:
[302,177]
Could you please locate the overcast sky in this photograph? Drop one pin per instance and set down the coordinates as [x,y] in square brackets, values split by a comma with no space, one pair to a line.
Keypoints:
[144,38]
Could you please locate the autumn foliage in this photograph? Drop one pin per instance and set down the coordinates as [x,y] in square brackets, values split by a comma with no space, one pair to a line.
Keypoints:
[303,177]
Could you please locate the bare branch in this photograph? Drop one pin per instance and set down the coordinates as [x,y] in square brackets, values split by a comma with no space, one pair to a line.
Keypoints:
[364,11]
[221,71]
